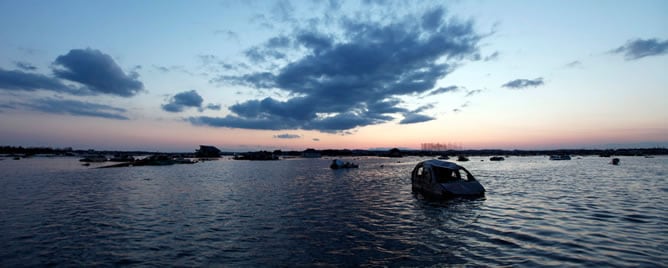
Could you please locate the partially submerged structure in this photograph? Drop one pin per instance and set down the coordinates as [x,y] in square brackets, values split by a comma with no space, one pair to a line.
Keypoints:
[443,179]
[311,153]
[207,151]
[558,157]
[338,164]
[261,155]
[496,158]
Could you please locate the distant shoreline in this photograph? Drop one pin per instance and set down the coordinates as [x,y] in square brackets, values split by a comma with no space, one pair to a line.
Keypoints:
[346,152]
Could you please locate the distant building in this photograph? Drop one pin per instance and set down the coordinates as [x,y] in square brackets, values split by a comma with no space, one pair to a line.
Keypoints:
[207,151]
[311,153]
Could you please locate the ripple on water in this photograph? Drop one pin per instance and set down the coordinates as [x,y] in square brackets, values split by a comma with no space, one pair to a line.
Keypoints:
[300,213]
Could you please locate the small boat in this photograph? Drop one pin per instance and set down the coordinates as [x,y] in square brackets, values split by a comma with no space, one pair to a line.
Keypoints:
[443,179]
[496,158]
[560,157]
[338,164]
[615,161]
[444,157]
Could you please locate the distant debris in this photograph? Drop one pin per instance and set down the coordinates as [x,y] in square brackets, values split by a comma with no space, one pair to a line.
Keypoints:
[154,160]
[615,161]
[207,151]
[122,158]
[261,155]
[311,153]
[462,158]
[338,164]
[560,157]
[496,158]
[606,154]
[94,159]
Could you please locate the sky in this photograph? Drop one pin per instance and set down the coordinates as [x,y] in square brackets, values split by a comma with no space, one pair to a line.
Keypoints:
[291,75]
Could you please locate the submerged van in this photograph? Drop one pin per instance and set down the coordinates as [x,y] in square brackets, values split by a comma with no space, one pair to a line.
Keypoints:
[443,179]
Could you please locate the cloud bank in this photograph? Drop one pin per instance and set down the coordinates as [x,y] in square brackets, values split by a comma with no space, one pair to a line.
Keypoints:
[524,83]
[183,100]
[640,48]
[15,80]
[287,136]
[187,99]
[79,72]
[77,108]
[98,72]
[352,79]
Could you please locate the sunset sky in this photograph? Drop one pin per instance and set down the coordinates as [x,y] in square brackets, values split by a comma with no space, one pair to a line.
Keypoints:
[290,75]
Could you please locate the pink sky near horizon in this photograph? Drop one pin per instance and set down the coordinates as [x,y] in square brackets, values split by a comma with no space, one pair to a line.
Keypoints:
[587,74]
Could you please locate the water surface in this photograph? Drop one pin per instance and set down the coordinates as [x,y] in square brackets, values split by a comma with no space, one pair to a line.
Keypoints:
[583,212]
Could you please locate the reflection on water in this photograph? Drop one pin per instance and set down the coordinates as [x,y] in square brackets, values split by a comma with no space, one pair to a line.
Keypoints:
[536,212]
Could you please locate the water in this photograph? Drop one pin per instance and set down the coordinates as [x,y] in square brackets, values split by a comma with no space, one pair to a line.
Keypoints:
[298,212]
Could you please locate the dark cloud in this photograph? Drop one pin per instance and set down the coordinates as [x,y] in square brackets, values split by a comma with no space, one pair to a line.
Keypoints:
[183,100]
[287,136]
[491,57]
[473,92]
[77,108]
[19,80]
[228,34]
[173,68]
[413,118]
[524,83]
[7,106]
[423,108]
[279,42]
[98,72]
[442,90]
[574,64]
[343,83]
[25,66]
[213,106]
[640,48]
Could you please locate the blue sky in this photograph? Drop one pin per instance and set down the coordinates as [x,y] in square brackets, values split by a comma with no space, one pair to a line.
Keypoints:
[333,74]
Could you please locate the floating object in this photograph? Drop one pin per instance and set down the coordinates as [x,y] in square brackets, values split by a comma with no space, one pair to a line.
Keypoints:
[338,164]
[462,158]
[443,179]
[560,157]
[496,158]
[615,161]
